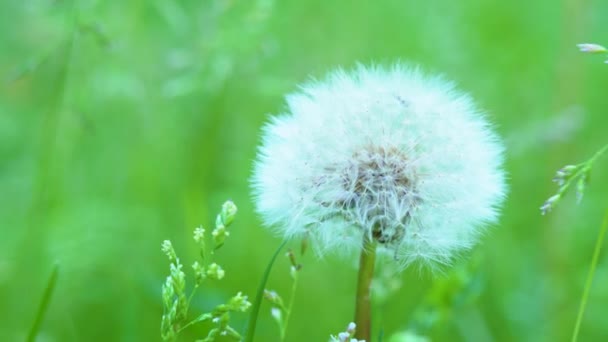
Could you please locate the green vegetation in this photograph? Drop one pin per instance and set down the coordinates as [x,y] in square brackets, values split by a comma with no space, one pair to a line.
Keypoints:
[127,123]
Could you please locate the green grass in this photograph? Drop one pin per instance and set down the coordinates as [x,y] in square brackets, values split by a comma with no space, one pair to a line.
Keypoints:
[126,123]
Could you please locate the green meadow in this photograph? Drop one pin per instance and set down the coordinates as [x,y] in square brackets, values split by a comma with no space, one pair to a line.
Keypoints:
[126,123]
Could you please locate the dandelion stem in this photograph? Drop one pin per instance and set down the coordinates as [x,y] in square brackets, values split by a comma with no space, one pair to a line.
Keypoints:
[590,276]
[363,317]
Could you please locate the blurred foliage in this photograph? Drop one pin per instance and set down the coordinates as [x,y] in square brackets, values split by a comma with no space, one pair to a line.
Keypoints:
[124,123]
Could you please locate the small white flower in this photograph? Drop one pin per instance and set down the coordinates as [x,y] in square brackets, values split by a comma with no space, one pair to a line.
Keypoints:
[391,153]
[199,234]
[345,336]
[351,328]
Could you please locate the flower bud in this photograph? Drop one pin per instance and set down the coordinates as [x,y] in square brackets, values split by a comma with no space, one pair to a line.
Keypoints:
[580,186]
[214,271]
[239,303]
[167,248]
[274,298]
[228,213]
[548,205]
[199,234]
[277,314]
[199,273]
[591,48]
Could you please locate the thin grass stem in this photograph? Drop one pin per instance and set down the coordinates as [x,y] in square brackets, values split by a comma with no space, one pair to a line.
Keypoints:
[590,276]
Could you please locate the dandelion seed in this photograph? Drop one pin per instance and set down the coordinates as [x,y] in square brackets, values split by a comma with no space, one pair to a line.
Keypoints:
[391,154]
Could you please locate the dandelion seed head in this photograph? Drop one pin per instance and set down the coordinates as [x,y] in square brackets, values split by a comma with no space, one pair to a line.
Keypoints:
[393,154]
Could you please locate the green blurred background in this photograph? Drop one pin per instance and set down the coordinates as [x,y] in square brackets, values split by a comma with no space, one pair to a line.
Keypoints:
[124,123]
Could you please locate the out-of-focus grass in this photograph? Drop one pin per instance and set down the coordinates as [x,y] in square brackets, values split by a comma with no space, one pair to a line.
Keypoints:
[125,123]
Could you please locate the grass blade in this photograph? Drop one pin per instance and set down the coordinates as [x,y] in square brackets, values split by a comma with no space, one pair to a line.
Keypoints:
[44,303]
[590,276]
[255,310]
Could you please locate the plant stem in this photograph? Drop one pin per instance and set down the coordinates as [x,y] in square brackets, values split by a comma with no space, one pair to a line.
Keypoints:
[590,276]
[599,153]
[289,306]
[363,309]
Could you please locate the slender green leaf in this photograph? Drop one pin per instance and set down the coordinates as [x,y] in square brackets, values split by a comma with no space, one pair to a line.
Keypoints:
[44,303]
[255,310]
[590,276]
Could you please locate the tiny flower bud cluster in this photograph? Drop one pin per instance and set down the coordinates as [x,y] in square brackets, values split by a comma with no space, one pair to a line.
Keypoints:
[564,177]
[173,294]
[222,221]
[199,273]
[175,301]
[199,238]
[220,316]
[569,175]
[167,248]
[215,271]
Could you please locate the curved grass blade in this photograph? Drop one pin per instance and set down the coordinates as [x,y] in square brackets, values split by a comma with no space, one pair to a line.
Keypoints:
[255,310]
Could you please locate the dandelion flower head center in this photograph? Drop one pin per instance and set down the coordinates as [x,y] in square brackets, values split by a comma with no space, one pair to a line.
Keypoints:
[379,191]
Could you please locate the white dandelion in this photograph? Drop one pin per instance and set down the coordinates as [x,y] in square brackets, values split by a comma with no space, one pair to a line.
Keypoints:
[389,155]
